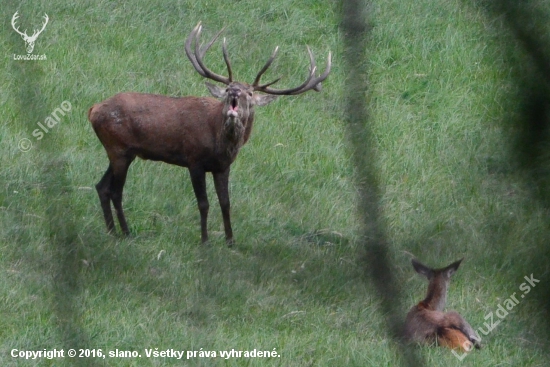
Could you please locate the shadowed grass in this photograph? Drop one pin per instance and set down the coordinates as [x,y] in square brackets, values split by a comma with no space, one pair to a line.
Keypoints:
[442,95]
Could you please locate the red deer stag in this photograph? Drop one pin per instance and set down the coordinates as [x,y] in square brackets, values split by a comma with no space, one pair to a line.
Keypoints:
[426,322]
[200,133]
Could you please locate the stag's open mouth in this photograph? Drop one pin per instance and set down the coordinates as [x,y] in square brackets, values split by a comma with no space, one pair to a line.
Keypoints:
[233,107]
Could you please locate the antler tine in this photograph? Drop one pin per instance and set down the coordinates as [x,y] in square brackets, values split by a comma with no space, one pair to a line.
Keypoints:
[310,83]
[263,70]
[36,33]
[315,83]
[46,19]
[268,84]
[199,52]
[190,54]
[227,62]
[209,44]
[13,19]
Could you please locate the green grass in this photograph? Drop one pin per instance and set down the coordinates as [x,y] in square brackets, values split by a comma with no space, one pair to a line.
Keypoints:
[441,98]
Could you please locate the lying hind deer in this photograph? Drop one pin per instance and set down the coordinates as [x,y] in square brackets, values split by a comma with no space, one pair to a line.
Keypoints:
[426,322]
[200,133]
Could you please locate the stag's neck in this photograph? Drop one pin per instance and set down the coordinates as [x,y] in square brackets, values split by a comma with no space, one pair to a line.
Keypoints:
[232,136]
[436,297]
[248,125]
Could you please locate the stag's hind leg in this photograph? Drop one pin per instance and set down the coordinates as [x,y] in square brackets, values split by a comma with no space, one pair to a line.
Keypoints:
[110,189]
[104,192]
[120,170]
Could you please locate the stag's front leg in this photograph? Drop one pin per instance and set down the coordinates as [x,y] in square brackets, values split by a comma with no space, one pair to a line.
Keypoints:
[221,182]
[198,179]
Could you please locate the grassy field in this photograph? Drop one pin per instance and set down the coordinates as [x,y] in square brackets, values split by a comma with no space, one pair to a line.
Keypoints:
[443,98]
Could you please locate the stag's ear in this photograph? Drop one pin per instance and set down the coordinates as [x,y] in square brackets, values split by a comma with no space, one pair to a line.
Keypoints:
[263,99]
[216,91]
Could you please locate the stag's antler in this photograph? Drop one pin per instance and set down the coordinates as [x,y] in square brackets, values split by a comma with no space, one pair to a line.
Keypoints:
[310,83]
[197,55]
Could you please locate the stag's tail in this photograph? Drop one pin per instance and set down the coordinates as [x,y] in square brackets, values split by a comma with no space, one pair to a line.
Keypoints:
[90,113]
[96,118]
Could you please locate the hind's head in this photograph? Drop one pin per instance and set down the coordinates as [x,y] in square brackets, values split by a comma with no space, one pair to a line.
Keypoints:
[439,280]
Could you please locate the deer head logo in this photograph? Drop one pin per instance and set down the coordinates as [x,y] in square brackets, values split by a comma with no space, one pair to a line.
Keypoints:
[29,40]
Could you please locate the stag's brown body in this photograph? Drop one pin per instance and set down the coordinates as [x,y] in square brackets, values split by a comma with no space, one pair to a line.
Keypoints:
[200,133]
[427,323]
[186,131]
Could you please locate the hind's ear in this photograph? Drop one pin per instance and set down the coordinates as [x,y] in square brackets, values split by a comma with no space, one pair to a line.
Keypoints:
[451,269]
[422,269]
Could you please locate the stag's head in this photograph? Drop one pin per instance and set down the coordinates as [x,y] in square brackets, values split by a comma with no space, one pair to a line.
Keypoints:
[29,40]
[240,98]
